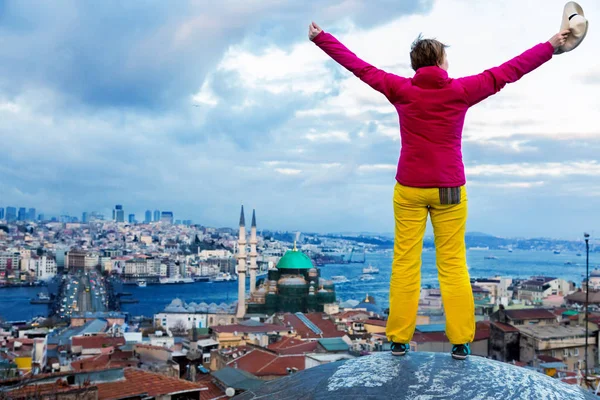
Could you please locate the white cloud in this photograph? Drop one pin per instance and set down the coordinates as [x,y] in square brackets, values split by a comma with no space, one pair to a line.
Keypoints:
[288,171]
[534,170]
[334,136]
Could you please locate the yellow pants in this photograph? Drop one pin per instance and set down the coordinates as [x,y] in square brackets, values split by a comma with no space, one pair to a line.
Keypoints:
[448,210]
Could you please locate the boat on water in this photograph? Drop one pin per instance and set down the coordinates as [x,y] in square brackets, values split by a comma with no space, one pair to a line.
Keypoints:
[490,258]
[478,248]
[370,270]
[141,283]
[175,281]
[42,298]
[366,277]
[568,263]
[201,278]
[339,279]
[556,251]
[223,277]
[578,254]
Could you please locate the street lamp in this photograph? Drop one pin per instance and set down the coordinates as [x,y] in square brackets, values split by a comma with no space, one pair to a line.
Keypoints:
[587,298]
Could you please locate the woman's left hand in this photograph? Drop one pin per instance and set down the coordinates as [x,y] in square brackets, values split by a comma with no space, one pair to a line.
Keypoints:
[313,30]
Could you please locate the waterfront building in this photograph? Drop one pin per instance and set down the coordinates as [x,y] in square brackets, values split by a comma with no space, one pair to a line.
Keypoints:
[180,313]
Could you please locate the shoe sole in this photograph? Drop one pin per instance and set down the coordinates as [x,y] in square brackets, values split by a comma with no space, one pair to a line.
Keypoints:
[459,357]
[398,353]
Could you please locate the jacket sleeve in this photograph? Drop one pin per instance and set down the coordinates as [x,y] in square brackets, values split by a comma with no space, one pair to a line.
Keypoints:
[491,81]
[382,81]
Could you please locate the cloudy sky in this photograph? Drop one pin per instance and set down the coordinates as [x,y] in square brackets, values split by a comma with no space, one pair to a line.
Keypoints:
[200,106]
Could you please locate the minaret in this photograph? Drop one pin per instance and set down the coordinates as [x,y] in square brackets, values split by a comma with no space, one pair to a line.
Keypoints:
[241,268]
[253,254]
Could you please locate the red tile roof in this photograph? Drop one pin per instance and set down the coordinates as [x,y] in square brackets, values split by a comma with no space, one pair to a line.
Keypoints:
[327,326]
[290,345]
[212,391]
[97,342]
[248,329]
[532,313]
[504,327]
[376,322]
[262,362]
[139,382]
[104,361]
[33,391]
[351,313]
[482,332]
[545,358]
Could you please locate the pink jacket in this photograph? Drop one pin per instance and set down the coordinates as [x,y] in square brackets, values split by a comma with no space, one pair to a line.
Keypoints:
[432,108]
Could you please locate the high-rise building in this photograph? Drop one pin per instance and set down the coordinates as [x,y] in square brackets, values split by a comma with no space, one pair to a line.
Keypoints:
[119,213]
[1,212]
[178,222]
[156,215]
[41,217]
[167,217]
[11,214]
[31,214]
[22,214]
[148,217]
[132,218]
[84,217]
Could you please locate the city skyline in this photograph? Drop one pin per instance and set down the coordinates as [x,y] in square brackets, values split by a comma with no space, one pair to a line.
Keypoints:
[200,108]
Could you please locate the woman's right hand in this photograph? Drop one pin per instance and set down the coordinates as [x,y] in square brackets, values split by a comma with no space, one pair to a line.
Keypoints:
[559,39]
[313,30]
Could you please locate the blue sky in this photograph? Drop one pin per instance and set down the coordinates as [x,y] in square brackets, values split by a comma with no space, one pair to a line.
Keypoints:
[199,106]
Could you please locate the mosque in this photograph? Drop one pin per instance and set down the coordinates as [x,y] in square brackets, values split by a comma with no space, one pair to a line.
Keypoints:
[293,285]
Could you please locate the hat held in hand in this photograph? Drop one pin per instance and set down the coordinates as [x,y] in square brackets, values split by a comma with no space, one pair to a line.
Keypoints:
[573,20]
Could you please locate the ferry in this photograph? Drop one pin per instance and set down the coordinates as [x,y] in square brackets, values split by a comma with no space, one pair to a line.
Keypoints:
[42,298]
[224,277]
[370,270]
[339,279]
[366,277]
[175,281]
[556,251]
[141,283]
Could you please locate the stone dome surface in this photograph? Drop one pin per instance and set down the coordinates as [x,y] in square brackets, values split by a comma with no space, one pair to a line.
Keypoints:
[418,375]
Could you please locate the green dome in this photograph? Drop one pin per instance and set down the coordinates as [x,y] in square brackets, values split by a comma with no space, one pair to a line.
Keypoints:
[295,260]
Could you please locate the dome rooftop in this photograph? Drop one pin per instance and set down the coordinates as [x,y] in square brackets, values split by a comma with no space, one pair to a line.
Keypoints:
[294,259]
[418,375]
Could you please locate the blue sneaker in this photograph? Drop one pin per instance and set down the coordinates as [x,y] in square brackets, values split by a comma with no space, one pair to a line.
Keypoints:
[461,351]
[400,349]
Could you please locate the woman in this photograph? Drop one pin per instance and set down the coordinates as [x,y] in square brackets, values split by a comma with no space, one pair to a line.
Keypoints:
[430,179]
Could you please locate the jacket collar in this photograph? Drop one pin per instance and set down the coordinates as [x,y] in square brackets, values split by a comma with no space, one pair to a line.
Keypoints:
[430,78]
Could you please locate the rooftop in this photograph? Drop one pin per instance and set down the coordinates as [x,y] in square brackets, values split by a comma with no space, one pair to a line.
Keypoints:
[417,375]
[139,382]
[294,259]
[532,313]
[546,332]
